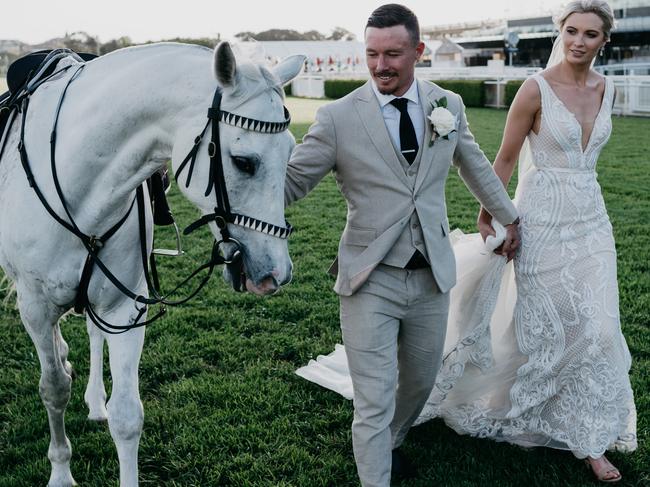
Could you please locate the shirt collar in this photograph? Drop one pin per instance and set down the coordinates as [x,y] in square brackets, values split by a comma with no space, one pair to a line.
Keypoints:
[411,95]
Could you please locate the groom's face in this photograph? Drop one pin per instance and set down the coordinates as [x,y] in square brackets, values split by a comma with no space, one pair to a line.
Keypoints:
[391,56]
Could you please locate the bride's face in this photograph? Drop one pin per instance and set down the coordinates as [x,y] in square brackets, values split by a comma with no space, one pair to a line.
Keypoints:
[583,36]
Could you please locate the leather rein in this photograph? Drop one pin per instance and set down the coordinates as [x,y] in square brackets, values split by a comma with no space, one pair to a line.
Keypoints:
[221,216]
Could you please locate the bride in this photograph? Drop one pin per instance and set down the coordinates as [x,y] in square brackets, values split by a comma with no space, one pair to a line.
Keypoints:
[538,358]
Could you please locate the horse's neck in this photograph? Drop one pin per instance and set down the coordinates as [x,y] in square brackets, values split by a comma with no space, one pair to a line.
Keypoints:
[154,97]
[137,110]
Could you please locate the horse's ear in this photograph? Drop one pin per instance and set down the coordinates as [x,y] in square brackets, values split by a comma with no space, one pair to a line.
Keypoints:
[289,68]
[224,64]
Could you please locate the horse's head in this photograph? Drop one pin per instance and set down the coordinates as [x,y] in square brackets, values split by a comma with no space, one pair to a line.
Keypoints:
[255,146]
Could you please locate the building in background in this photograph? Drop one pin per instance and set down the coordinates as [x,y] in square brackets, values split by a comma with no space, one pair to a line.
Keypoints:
[528,41]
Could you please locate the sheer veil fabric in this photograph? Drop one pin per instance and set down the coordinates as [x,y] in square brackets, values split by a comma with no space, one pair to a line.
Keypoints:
[534,353]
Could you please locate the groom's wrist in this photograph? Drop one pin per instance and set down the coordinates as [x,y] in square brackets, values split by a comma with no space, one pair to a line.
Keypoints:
[515,222]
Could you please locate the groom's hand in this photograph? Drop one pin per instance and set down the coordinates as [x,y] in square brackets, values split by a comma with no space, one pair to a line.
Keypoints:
[484,224]
[512,241]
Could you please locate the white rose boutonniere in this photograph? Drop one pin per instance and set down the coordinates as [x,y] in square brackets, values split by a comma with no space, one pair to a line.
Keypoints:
[443,122]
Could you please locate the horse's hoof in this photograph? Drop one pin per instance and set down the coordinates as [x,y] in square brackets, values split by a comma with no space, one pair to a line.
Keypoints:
[98,417]
[98,413]
[63,479]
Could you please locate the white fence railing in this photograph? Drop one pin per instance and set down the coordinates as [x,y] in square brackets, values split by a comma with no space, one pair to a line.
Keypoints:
[632,95]
[475,72]
[495,93]
[628,69]
[632,92]
[433,73]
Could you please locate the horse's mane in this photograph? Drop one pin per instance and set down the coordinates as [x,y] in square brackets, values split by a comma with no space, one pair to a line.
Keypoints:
[156,46]
[253,78]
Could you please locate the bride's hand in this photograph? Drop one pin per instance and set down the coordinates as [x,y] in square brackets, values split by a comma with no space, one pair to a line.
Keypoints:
[484,224]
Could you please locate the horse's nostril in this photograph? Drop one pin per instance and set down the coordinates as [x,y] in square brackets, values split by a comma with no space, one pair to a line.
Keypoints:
[270,282]
[267,285]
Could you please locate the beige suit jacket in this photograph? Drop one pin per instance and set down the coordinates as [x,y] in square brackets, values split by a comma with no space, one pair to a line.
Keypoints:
[350,138]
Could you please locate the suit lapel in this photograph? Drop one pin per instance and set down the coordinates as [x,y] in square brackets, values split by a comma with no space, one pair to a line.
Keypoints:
[426,92]
[369,111]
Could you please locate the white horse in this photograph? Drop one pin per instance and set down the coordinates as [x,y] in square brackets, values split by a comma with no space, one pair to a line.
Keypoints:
[123,116]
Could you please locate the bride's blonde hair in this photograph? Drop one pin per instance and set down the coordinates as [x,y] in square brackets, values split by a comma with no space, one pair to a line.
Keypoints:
[598,7]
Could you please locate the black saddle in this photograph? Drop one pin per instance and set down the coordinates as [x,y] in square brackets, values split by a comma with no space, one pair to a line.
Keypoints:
[27,70]
[23,68]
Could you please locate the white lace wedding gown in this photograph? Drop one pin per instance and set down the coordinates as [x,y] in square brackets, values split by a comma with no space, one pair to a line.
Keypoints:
[542,362]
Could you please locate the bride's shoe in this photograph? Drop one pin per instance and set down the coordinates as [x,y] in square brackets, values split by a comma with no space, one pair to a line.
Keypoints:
[603,469]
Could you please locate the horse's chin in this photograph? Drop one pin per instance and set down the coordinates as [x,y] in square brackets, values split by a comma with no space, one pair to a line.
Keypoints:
[268,285]
[265,288]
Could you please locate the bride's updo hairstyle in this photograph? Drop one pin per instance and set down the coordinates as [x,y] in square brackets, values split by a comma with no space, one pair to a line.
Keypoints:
[598,7]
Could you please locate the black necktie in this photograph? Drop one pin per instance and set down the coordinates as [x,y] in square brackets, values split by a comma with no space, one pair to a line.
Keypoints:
[407,139]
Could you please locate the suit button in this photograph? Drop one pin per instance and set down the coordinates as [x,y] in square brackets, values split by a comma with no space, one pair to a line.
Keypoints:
[415,198]
[415,225]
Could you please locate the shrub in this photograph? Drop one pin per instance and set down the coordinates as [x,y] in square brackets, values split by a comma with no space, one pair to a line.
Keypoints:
[287,89]
[470,90]
[338,88]
[512,87]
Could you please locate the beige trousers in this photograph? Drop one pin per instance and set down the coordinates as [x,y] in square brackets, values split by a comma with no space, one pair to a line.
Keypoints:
[394,332]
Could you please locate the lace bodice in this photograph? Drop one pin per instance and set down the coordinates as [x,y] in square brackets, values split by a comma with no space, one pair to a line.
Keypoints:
[558,144]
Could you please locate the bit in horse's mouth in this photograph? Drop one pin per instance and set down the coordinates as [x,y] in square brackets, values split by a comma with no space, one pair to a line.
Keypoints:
[242,280]
[237,270]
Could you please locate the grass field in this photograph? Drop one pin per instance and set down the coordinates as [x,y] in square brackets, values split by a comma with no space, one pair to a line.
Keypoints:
[224,407]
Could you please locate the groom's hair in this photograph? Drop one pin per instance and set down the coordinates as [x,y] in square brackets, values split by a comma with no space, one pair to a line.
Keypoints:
[393,14]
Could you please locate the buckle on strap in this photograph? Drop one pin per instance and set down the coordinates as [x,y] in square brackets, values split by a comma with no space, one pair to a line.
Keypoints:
[212,149]
[95,243]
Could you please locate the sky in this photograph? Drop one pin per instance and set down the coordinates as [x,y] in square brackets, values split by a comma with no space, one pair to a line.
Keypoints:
[145,20]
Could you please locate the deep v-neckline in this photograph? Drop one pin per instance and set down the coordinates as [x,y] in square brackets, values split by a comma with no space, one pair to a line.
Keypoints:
[583,150]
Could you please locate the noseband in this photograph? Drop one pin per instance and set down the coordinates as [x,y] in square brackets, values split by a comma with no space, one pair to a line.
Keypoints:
[222,214]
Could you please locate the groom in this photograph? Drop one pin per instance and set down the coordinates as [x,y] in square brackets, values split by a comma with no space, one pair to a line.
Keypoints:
[395,264]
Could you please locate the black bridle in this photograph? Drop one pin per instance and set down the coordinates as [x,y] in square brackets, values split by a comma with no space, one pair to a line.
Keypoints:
[222,215]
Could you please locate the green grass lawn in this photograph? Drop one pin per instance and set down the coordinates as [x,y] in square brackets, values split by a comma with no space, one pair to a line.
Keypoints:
[224,407]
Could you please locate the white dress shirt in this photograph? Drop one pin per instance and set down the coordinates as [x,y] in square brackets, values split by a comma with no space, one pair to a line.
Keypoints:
[391,113]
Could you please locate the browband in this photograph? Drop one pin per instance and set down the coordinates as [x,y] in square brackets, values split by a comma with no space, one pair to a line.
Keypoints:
[250,123]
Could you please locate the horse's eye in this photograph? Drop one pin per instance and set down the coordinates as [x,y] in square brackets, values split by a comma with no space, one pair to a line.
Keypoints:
[244,164]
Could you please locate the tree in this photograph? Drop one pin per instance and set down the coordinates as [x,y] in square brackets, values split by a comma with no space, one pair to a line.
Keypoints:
[339,33]
[313,35]
[246,36]
[287,35]
[278,35]
[115,44]
[81,42]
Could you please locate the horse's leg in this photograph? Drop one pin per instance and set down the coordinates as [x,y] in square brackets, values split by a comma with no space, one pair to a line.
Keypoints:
[125,412]
[95,395]
[63,352]
[40,321]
